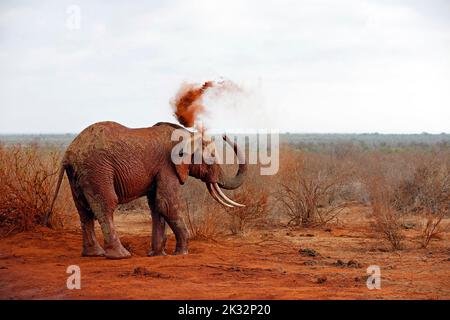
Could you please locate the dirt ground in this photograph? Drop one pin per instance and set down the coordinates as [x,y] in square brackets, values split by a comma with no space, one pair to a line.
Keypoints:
[266,264]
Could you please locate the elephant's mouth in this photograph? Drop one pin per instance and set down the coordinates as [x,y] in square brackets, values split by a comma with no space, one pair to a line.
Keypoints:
[220,197]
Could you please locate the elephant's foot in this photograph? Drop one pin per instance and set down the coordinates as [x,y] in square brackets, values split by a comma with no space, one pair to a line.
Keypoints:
[93,251]
[117,252]
[180,251]
[156,253]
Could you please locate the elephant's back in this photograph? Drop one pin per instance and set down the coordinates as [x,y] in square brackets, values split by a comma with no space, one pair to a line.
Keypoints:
[98,136]
[99,142]
[110,140]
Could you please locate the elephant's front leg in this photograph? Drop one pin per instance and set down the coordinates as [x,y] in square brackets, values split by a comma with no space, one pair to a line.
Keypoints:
[181,235]
[167,203]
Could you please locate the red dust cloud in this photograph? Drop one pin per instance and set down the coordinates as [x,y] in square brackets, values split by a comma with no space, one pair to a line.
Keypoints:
[188,102]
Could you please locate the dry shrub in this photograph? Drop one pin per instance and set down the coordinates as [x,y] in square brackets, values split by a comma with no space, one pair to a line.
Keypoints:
[310,187]
[203,216]
[28,175]
[256,208]
[432,185]
[410,182]
[205,224]
[206,219]
[387,221]
[380,177]
[427,187]
[432,227]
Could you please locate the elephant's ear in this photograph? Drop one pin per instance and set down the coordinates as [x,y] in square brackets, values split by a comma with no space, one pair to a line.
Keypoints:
[182,172]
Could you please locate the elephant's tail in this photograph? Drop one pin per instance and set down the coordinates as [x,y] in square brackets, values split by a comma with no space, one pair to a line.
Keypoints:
[48,214]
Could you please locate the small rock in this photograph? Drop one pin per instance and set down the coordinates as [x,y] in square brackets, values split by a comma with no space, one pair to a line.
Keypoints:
[350,264]
[309,252]
[235,268]
[339,263]
[141,271]
[353,264]
[327,230]
[321,279]
[310,263]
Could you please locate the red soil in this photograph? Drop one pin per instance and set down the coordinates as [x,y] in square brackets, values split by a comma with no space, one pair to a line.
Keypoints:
[264,265]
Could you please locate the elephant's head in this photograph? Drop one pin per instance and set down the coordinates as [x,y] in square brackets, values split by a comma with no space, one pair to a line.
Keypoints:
[210,172]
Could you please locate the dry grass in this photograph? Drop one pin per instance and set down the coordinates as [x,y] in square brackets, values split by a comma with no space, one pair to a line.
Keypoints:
[28,175]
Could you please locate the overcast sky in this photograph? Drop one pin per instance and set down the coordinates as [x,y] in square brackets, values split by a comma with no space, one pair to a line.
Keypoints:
[305,66]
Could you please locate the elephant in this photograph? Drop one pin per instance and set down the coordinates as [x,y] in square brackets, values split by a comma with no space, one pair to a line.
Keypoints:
[109,164]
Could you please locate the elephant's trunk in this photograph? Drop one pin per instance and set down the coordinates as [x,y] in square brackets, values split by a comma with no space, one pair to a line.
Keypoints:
[230,183]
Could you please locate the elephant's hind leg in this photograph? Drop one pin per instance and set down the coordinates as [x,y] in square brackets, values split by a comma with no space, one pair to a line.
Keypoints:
[103,203]
[158,229]
[91,247]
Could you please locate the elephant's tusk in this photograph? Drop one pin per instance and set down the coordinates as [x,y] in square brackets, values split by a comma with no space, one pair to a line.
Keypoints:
[213,194]
[224,197]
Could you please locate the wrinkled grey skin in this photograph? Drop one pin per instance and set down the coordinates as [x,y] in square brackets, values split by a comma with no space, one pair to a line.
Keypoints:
[108,164]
